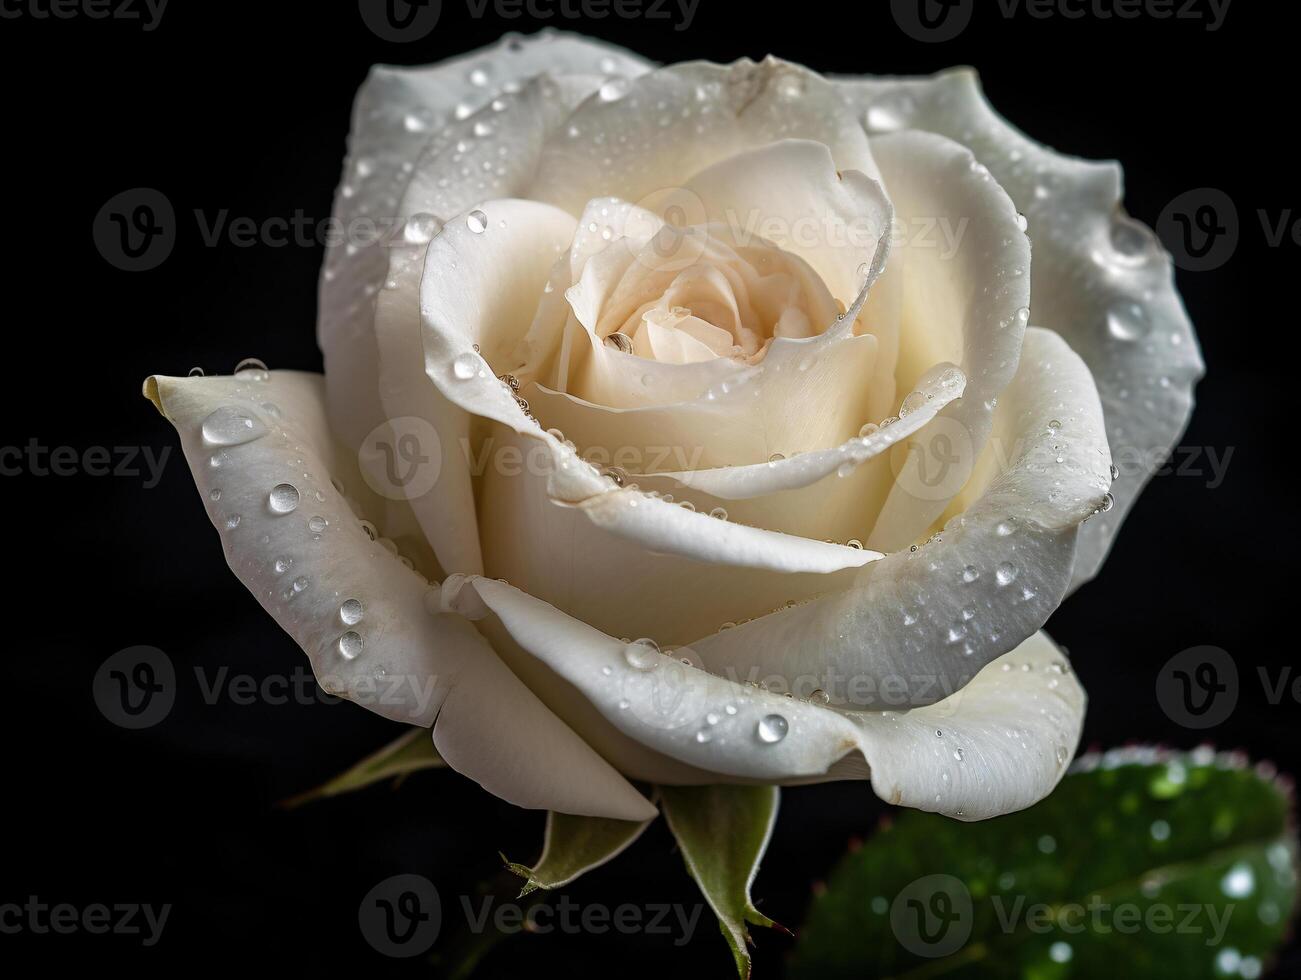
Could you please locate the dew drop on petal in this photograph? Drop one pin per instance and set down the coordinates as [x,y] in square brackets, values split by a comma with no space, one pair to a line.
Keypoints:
[350,645]
[477,222]
[642,654]
[772,729]
[229,426]
[351,611]
[283,498]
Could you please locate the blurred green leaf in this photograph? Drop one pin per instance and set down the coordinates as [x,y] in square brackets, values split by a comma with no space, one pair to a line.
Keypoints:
[410,753]
[574,846]
[723,832]
[1140,863]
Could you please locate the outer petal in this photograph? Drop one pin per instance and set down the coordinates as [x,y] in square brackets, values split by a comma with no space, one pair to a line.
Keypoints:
[921,623]
[354,606]
[999,745]
[1101,279]
[637,138]
[397,111]
[968,305]
[491,154]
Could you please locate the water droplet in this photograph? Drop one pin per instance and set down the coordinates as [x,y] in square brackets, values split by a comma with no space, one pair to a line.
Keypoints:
[913,401]
[772,728]
[229,426]
[350,645]
[1240,881]
[317,524]
[970,574]
[820,697]
[1108,502]
[351,611]
[719,512]
[282,565]
[421,228]
[958,754]
[1127,321]
[196,372]
[620,342]
[251,369]
[214,495]
[613,90]
[284,498]
[465,366]
[1005,574]
[871,428]
[642,654]
[477,222]
[232,522]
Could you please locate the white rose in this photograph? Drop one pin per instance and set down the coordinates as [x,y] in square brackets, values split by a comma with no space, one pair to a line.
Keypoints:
[798,304]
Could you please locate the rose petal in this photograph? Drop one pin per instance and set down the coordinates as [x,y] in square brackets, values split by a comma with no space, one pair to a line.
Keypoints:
[266,465]
[634,139]
[967,305]
[462,165]
[998,745]
[920,623]
[1100,278]
[629,563]
[397,111]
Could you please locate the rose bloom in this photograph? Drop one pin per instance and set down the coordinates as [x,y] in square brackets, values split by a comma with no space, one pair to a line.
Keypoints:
[702,424]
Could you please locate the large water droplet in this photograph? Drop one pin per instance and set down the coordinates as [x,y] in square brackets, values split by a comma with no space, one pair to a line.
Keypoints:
[477,222]
[643,654]
[351,611]
[421,228]
[465,366]
[1127,321]
[613,89]
[350,645]
[251,369]
[284,498]
[772,728]
[230,426]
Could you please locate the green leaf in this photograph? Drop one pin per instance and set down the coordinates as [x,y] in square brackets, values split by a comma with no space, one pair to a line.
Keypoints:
[723,832]
[410,753]
[575,845]
[1141,863]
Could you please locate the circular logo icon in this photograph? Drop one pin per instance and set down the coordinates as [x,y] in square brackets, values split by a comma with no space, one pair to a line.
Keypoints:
[934,462]
[400,21]
[1198,687]
[401,916]
[669,695]
[932,21]
[670,222]
[932,916]
[1200,229]
[135,230]
[136,687]
[401,458]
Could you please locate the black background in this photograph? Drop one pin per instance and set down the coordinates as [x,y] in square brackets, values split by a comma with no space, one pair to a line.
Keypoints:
[245,107]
